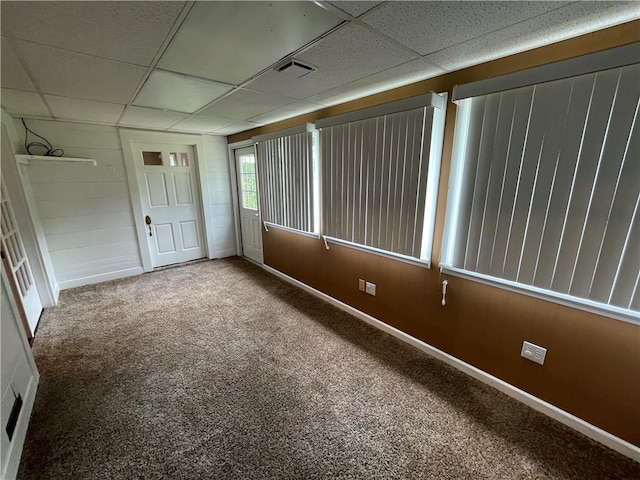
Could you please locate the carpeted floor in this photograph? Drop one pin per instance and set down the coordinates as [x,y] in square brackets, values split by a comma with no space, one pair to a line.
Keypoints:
[218,370]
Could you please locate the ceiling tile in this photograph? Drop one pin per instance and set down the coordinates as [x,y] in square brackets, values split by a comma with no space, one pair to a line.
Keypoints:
[404,74]
[236,128]
[427,27]
[21,103]
[354,8]
[69,74]
[84,110]
[570,21]
[289,111]
[127,31]
[13,75]
[232,41]
[172,91]
[350,53]
[197,123]
[242,104]
[150,118]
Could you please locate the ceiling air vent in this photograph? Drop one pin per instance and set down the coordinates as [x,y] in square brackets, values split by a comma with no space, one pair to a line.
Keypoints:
[295,68]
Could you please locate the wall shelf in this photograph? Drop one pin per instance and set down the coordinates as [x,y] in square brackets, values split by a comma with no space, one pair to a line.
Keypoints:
[27,159]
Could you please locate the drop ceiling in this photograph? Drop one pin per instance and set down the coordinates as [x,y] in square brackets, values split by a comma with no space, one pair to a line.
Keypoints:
[211,67]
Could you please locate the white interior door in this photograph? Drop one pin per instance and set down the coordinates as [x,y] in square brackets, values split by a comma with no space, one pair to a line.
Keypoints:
[249,204]
[167,182]
[17,266]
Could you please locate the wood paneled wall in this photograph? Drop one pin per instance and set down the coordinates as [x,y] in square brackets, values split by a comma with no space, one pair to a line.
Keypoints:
[592,368]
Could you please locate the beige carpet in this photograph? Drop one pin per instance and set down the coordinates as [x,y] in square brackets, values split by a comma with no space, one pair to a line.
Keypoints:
[218,370]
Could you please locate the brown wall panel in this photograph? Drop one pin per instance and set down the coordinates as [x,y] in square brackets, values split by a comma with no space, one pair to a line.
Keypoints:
[592,368]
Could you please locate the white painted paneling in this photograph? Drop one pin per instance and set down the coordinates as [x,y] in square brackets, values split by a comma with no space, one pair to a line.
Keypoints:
[65,241]
[80,191]
[89,206]
[85,211]
[221,210]
[86,222]
[223,237]
[225,240]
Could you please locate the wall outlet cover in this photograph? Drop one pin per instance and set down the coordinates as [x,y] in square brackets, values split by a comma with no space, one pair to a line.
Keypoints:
[533,352]
[371,288]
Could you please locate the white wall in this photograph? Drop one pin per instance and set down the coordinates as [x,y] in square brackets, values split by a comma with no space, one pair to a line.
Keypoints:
[18,374]
[85,211]
[218,183]
[28,222]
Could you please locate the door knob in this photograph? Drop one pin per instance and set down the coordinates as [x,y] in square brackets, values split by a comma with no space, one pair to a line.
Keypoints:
[147,220]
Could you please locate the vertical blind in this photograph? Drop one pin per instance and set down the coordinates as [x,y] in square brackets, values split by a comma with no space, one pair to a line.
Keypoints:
[374,175]
[285,171]
[550,187]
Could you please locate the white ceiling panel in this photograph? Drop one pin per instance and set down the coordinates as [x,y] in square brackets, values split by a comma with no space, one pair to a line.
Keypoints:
[232,41]
[172,91]
[404,74]
[348,54]
[197,123]
[135,33]
[243,104]
[12,73]
[354,8]
[292,110]
[150,118]
[60,72]
[569,21]
[85,110]
[427,27]
[237,127]
[28,104]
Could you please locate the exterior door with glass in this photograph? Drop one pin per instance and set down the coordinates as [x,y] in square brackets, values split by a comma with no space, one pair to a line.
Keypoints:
[167,183]
[16,264]
[250,225]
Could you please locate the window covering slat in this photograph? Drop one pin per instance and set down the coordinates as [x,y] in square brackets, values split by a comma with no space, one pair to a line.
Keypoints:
[375,180]
[285,172]
[549,191]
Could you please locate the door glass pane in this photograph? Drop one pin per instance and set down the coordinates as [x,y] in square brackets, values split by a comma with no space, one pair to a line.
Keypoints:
[179,159]
[248,181]
[152,158]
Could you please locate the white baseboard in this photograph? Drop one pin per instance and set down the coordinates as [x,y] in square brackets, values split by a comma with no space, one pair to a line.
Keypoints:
[566,418]
[103,277]
[10,469]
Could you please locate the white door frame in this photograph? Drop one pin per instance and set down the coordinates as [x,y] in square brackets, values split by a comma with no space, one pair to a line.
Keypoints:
[233,174]
[128,138]
[28,221]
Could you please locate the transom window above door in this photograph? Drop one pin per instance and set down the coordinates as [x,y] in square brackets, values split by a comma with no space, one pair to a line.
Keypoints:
[173,159]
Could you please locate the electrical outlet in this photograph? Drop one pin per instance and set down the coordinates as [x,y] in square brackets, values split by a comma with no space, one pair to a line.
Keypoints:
[533,352]
[370,288]
[361,285]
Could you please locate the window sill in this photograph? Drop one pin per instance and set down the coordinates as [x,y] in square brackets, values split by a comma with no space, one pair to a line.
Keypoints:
[616,313]
[376,251]
[268,225]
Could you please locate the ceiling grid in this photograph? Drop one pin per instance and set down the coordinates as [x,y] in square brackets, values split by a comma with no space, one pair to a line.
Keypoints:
[209,67]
